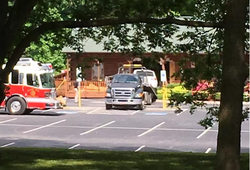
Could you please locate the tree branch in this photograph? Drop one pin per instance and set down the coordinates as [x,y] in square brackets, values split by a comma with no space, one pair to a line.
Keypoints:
[18,15]
[33,35]
[3,19]
[118,21]
[3,13]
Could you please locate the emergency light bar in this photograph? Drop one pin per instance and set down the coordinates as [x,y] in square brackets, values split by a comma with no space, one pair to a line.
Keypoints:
[34,64]
[132,65]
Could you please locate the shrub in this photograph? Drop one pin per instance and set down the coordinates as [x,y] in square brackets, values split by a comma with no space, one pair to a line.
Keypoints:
[201,95]
[175,92]
[217,96]
[173,85]
[246,97]
[179,94]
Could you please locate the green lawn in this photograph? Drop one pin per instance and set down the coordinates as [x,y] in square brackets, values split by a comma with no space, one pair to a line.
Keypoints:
[64,159]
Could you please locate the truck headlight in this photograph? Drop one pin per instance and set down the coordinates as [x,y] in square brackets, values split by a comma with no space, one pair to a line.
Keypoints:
[108,94]
[47,95]
[139,95]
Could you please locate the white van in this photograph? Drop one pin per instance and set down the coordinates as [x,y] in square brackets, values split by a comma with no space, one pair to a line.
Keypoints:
[150,76]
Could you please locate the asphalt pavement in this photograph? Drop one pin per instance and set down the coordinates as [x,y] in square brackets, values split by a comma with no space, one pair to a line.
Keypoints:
[92,127]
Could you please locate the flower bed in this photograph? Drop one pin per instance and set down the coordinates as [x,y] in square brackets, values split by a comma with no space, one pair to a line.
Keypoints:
[177,91]
[174,91]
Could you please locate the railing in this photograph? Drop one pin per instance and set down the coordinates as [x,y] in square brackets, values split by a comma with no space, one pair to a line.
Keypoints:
[89,89]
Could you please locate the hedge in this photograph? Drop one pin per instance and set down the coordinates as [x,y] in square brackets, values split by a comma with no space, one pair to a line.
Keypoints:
[177,90]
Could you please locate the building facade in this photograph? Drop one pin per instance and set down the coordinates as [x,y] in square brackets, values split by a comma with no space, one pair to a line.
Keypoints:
[110,62]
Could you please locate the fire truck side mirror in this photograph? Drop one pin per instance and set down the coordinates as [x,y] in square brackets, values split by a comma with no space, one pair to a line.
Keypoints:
[35,83]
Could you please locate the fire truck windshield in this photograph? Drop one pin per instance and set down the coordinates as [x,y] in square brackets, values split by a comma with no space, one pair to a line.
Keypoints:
[47,80]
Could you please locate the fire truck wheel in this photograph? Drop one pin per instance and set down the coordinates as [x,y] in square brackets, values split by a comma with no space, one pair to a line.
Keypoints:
[16,106]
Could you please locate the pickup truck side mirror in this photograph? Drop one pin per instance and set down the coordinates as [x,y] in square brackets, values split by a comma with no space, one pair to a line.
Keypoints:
[109,84]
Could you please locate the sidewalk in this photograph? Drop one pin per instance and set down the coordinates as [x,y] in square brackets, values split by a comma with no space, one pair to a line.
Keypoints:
[213,102]
[158,106]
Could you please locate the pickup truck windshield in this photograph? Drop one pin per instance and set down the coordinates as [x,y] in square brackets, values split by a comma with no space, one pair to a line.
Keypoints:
[125,79]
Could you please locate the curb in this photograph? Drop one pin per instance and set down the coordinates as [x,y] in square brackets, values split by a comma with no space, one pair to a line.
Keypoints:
[212,102]
[75,108]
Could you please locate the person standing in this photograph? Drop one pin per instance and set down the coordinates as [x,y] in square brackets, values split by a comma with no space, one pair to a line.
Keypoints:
[76,86]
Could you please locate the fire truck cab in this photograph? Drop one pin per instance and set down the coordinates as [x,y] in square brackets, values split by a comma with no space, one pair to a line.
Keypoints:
[30,86]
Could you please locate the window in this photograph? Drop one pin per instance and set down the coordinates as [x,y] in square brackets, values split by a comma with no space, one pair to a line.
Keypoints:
[29,80]
[119,78]
[98,70]
[145,73]
[21,76]
[14,77]
[32,80]
[47,80]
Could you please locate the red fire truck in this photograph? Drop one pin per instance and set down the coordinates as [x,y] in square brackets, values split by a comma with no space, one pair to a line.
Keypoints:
[30,86]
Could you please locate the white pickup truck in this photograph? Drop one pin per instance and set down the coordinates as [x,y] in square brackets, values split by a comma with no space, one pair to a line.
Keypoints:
[148,76]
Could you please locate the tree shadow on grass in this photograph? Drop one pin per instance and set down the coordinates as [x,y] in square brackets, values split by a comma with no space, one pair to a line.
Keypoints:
[100,159]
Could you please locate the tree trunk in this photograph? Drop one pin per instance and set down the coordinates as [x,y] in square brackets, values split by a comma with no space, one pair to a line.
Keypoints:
[234,73]
[3,79]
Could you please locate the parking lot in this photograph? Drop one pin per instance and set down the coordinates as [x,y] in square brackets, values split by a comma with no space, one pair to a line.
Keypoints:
[93,127]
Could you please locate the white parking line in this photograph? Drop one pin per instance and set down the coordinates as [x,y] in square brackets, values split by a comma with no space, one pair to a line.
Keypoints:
[115,127]
[140,148]
[93,110]
[208,150]
[135,112]
[3,146]
[74,146]
[41,127]
[203,133]
[8,120]
[97,128]
[153,128]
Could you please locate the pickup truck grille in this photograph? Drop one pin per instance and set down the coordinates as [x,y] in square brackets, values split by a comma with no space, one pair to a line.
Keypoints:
[123,92]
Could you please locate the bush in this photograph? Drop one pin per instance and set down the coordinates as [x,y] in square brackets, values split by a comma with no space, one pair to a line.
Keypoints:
[180,94]
[175,92]
[246,97]
[201,95]
[217,96]
[173,85]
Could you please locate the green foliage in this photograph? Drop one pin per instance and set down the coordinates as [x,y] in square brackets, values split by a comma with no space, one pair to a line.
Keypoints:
[211,117]
[48,48]
[175,92]
[130,38]
[172,85]
[46,51]
[178,95]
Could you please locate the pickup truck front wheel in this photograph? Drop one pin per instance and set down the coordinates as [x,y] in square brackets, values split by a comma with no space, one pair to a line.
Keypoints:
[141,106]
[108,106]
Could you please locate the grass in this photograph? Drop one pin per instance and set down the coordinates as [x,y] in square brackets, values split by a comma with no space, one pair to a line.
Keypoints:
[64,159]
